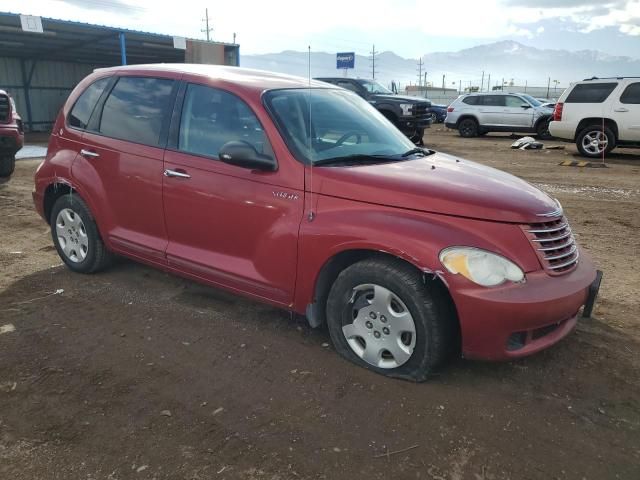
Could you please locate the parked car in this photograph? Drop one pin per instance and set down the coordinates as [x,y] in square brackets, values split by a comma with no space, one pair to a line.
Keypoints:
[11,134]
[476,114]
[438,113]
[410,114]
[305,197]
[599,114]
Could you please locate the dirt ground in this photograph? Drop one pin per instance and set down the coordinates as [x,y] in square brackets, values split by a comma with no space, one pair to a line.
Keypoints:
[136,374]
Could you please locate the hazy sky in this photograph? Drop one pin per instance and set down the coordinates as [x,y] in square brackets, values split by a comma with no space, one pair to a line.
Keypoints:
[409,28]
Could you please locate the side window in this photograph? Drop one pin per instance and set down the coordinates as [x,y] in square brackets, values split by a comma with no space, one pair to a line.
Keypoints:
[631,94]
[211,117]
[590,92]
[348,85]
[82,110]
[136,109]
[514,102]
[493,100]
[471,100]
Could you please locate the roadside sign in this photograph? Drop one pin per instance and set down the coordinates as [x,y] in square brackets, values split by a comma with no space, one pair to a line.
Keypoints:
[345,60]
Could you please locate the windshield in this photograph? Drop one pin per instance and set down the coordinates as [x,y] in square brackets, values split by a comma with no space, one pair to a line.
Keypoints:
[320,124]
[375,87]
[533,101]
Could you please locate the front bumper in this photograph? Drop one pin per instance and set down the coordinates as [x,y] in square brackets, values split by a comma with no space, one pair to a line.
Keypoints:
[517,320]
[11,140]
[410,125]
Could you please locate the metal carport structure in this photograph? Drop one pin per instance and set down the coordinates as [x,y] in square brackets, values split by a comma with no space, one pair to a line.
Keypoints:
[39,69]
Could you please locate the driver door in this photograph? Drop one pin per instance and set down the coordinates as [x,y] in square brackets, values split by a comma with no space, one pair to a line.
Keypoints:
[515,114]
[228,225]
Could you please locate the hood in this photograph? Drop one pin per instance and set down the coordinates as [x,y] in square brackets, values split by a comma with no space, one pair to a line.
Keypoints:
[454,187]
[398,98]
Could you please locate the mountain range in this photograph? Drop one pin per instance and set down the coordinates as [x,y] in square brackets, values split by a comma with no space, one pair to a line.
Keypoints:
[508,60]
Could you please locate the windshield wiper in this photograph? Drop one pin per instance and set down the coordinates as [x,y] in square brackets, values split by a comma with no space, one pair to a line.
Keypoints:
[413,151]
[356,158]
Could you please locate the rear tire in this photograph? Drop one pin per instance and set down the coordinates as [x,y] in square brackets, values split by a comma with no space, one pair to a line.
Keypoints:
[595,141]
[408,340]
[468,128]
[76,237]
[7,165]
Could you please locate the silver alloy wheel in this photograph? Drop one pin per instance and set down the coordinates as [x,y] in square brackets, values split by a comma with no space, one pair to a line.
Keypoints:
[383,332]
[72,235]
[595,142]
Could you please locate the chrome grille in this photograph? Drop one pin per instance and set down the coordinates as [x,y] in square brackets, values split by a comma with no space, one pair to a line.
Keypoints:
[554,244]
[5,108]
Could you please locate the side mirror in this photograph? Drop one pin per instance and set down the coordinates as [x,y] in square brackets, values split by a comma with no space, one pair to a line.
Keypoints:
[526,106]
[243,154]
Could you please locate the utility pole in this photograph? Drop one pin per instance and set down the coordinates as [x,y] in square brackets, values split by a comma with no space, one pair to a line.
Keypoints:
[442,83]
[482,81]
[489,83]
[207,30]
[548,85]
[420,72]
[459,86]
[234,38]
[373,61]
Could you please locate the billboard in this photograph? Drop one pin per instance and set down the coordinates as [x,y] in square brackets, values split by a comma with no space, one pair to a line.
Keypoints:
[345,60]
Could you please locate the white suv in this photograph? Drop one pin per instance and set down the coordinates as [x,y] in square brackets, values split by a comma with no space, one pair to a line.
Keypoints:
[479,113]
[599,114]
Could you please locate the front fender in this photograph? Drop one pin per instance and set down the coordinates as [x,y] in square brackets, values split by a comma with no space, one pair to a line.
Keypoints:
[416,237]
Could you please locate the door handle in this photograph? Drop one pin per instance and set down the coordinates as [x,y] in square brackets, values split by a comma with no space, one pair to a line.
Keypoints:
[621,109]
[89,154]
[176,173]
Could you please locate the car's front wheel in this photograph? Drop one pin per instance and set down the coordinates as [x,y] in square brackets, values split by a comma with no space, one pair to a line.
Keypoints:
[542,130]
[7,165]
[468,128]
[595,141]
[382,316]
[76,237]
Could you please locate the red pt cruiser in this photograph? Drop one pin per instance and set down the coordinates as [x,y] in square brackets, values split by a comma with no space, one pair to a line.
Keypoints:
[305,197]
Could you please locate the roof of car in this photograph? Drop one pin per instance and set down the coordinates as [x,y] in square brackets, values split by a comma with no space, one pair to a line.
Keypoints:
[247,77]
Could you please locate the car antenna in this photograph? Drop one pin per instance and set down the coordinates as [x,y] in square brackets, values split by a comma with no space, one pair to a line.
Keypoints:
[311,214]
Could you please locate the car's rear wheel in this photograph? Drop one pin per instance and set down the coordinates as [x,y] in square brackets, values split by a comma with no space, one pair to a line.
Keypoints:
[76,237]
[542,130]
[7,165]
[595,141]
[468,128]
[382,316]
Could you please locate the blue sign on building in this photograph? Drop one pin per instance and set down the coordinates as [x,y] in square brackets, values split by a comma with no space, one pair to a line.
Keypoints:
[345,60]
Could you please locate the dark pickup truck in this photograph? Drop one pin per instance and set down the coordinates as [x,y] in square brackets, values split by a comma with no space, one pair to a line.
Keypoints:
[11,134]
[410,114]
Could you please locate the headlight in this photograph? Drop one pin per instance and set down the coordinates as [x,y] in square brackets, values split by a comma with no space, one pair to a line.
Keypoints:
[479,266]
[407,109]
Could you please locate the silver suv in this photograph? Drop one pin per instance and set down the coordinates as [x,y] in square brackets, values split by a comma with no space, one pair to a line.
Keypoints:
[479,113]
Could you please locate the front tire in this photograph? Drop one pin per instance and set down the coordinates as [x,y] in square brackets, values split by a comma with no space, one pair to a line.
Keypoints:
[468,128]
[542,130]
[76,237]
[595,141]
[7,165]
[382,316]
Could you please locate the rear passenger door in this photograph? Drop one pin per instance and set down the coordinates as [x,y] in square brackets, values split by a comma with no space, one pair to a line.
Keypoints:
[627,113]
[491,109]
[121,163]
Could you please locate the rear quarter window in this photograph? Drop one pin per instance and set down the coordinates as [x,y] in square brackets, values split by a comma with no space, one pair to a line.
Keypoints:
[590,92]
[631,94]
[471,100]
[84,106]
